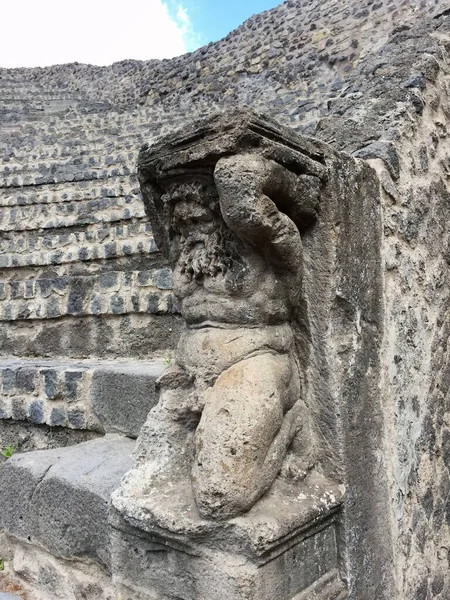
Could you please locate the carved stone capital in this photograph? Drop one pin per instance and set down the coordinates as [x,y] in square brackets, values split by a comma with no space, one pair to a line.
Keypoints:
[192,154]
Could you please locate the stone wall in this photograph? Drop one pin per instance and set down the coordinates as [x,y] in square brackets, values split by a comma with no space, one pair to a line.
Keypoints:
[293,58]
[416,344]
[405,99]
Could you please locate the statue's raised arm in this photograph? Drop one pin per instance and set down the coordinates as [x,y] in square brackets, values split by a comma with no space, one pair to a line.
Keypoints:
[253,193]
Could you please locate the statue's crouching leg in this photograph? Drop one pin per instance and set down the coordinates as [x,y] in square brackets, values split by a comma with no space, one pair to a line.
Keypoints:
[165,444]
[159,484]
[250,417]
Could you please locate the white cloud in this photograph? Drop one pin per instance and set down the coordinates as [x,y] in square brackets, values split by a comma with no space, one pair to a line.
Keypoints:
[100,32]
[192,38]
[183,17]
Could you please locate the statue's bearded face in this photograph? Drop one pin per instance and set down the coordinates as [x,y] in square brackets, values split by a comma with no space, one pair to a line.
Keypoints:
[205,248]
[192,220]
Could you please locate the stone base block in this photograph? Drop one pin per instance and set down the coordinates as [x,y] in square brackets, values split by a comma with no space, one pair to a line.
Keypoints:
[146,570]
[285,548]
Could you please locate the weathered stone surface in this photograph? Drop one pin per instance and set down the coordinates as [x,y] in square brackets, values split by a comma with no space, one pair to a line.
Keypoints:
[122,397]
[42,576]
[59,498]
[283,546]
[84,338]
[340,298]
[233,397]
[26,436]
[358,74]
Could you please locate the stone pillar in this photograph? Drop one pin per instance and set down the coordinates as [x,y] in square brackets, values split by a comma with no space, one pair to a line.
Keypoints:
[237,489]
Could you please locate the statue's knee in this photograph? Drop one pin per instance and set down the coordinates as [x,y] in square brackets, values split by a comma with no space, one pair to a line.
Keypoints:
[217,500]
[223,486]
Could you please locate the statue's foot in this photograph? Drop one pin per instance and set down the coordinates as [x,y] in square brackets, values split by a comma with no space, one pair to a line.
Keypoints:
[295,468]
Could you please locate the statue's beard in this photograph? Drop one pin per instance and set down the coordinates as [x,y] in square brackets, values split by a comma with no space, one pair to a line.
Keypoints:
[206,254]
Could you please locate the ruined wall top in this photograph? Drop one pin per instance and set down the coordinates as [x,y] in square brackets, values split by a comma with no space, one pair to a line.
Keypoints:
[292,56]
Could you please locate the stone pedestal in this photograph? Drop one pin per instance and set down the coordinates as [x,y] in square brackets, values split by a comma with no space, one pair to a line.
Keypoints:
[284,548]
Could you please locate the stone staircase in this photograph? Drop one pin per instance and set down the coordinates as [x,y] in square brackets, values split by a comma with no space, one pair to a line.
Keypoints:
[88,322]
[100,396]
[55,502]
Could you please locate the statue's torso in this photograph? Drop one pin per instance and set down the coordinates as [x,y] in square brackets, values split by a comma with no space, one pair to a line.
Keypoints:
[249,293]
[208,351]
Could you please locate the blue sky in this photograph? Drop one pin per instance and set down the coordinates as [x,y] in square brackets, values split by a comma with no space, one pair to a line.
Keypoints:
[212,20]
[101,32]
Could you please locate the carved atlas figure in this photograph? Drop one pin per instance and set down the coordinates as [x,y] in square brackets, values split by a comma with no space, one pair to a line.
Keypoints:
[228,216]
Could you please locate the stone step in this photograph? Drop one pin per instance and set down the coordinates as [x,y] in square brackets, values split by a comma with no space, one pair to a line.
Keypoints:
[104,396]
[81,129]
[59,499]
[54,216]
[63,173]
[81,243]
[109,293]
[83,160]
[59,193]
[91,128]
[68,148]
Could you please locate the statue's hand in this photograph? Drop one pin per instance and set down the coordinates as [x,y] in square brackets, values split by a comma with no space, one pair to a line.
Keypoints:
[251,188]
[174,377]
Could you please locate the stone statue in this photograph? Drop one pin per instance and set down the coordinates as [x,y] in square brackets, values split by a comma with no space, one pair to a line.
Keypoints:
[231,405]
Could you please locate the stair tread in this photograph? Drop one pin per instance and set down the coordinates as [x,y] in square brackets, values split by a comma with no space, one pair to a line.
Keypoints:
[60,497]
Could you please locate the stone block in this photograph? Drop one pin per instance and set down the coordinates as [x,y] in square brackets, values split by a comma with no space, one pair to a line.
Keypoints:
[285,548]
[36,412]
[51,387]
[156,570]
[108,396]
[123,395]
[5,408]
[19,409]
[109,281]
[386,151]
[58,416]
[8,380]
[42,576]
[26,380]
[72,380]
[59,498]
[77,418]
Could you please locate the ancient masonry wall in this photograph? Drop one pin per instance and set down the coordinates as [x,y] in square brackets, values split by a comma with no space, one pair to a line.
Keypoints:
[81,278]
[411,157]
[416,354]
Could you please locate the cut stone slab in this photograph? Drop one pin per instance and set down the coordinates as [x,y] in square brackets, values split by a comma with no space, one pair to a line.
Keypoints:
[60,498]
[104,396]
